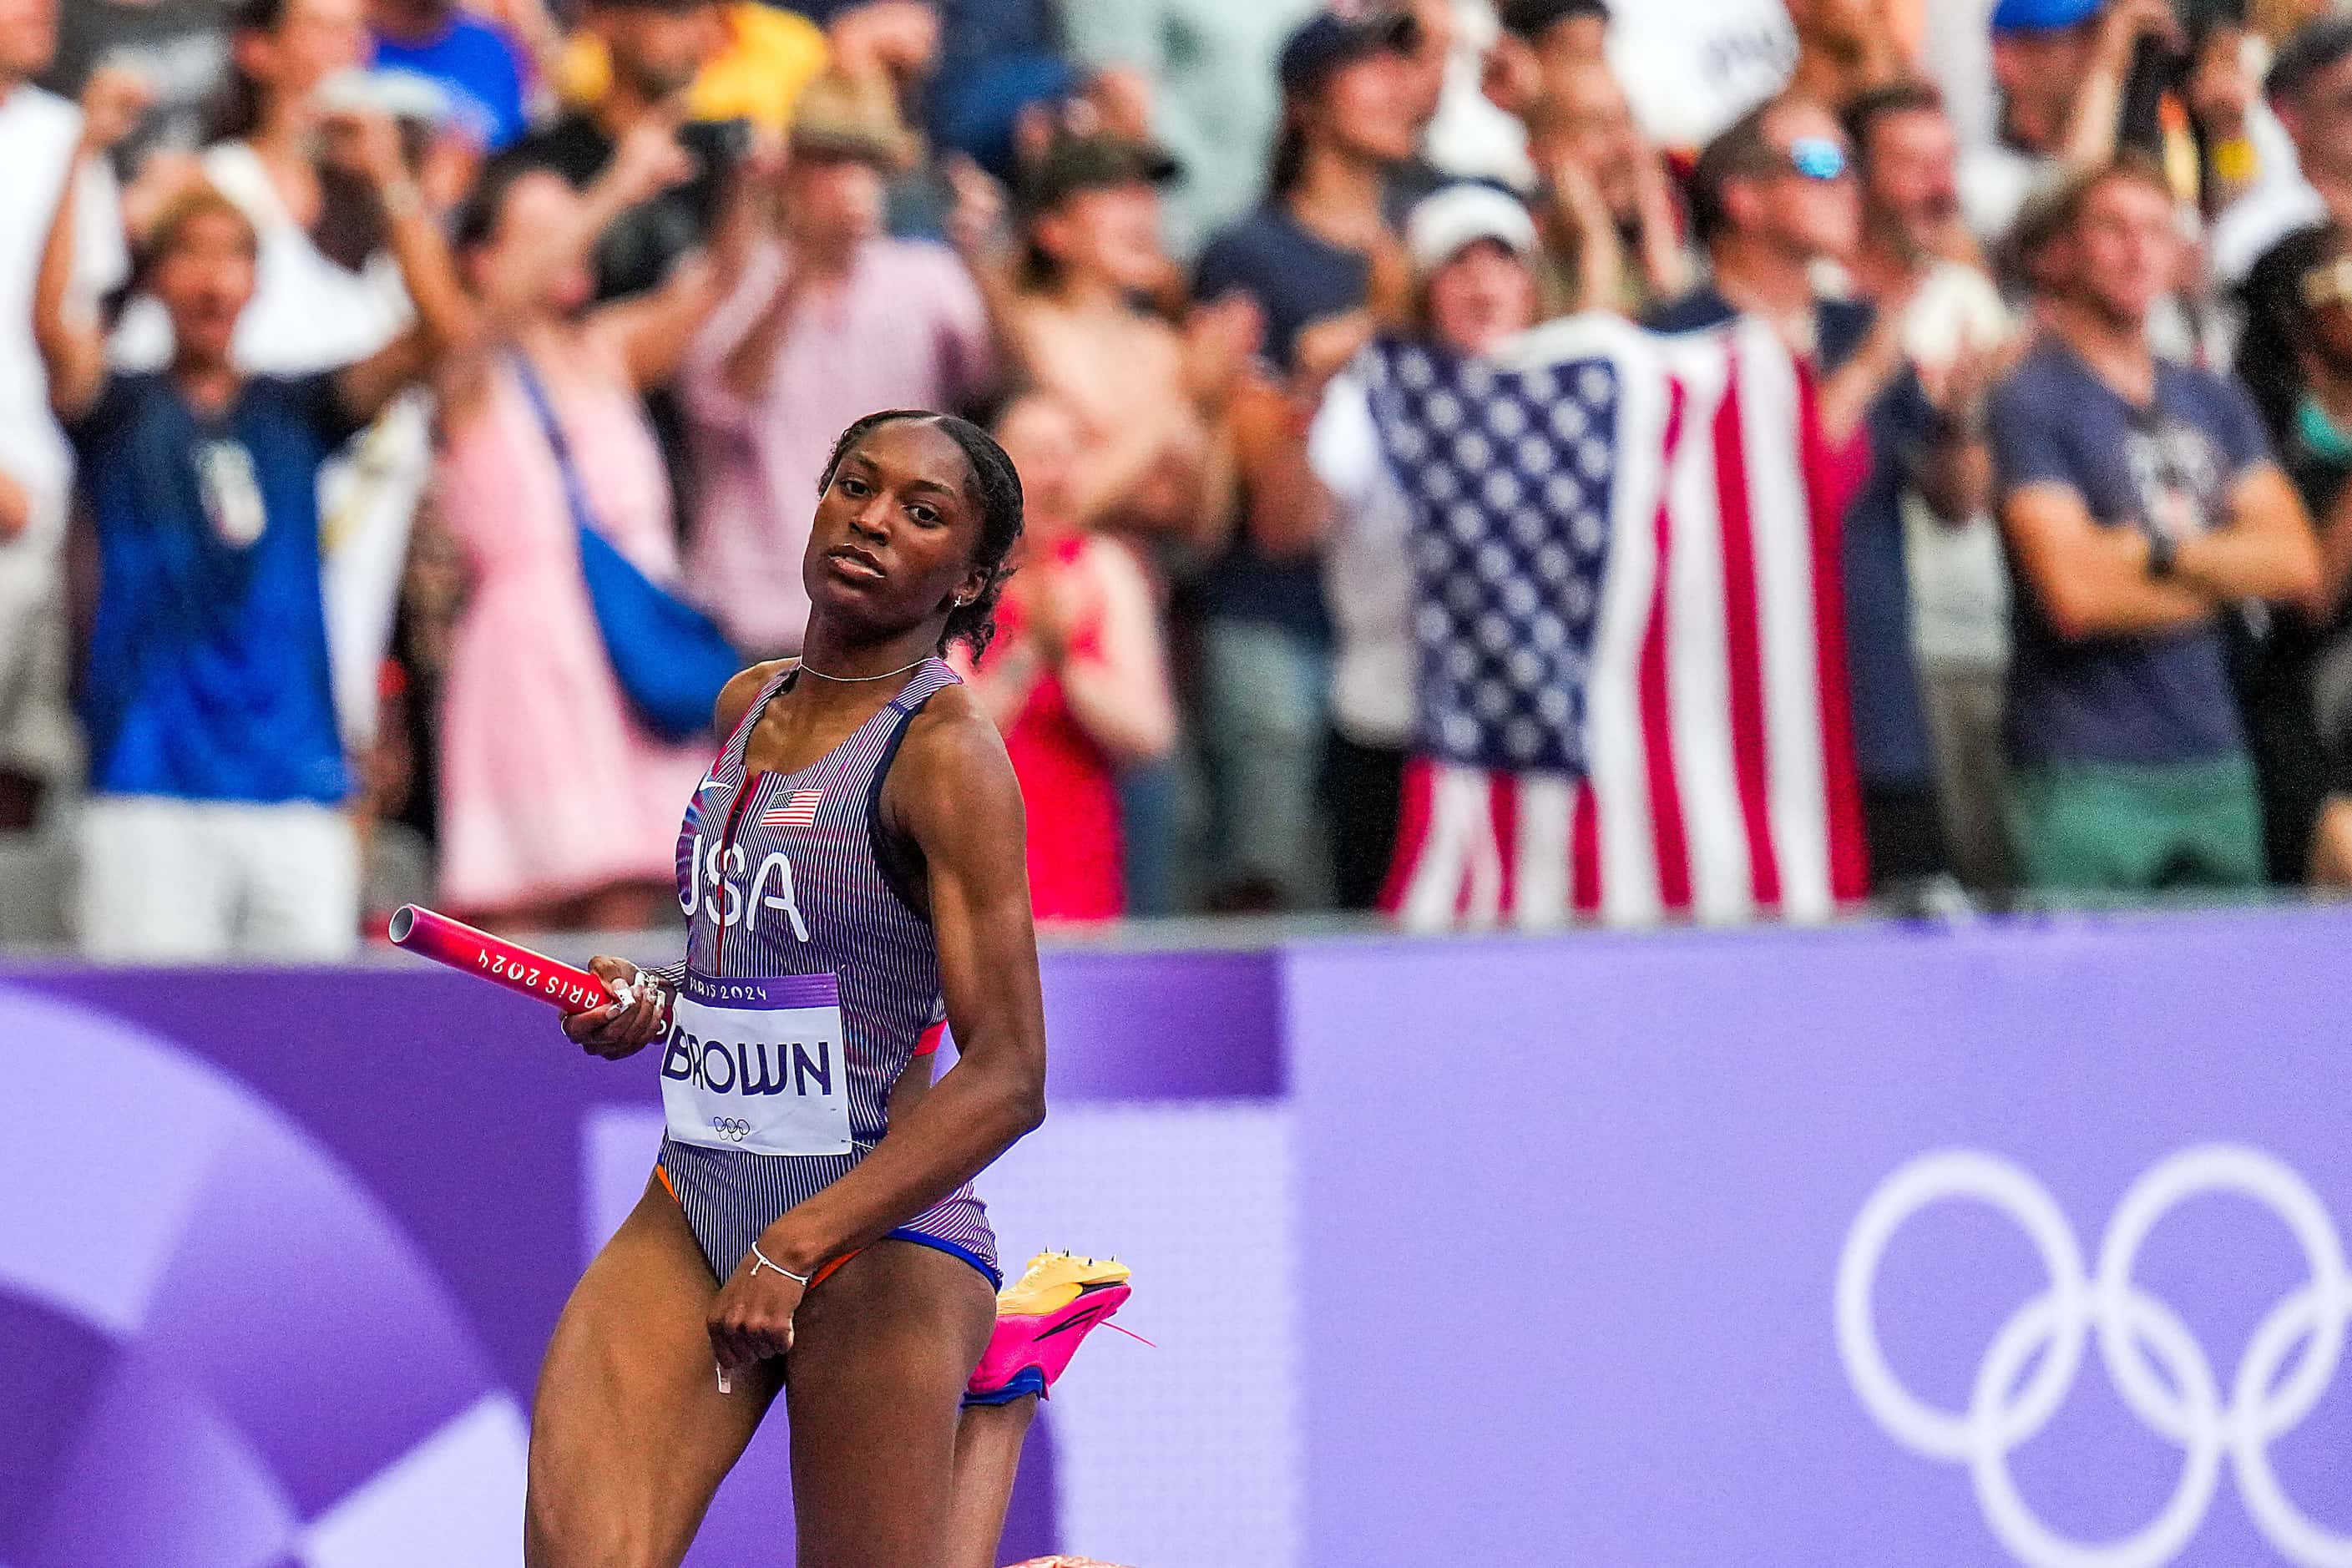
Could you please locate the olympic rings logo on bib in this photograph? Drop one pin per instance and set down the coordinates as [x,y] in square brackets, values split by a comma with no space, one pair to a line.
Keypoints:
[2158,1367]
[734,1128]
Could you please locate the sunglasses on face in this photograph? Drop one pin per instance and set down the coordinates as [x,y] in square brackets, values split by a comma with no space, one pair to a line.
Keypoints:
[1818,158]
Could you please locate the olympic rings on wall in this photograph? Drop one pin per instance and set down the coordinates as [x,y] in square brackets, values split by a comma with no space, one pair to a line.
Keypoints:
[2158,1367]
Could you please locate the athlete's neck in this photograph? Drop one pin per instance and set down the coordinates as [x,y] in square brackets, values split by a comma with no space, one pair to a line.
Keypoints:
[858,659]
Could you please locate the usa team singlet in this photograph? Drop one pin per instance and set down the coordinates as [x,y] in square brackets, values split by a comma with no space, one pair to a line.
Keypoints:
[809,985]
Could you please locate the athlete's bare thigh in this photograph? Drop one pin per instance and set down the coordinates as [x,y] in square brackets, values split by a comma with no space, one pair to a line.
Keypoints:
[630,1435]
[874,1385]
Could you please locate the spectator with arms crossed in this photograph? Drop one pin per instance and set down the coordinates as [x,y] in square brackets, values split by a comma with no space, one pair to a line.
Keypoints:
[2139,497]
[219,777]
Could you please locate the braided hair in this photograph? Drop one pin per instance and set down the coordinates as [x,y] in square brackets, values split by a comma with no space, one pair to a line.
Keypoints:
[997,487]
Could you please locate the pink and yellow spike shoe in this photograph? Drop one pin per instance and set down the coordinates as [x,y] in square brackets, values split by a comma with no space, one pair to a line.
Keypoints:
[1040,1318]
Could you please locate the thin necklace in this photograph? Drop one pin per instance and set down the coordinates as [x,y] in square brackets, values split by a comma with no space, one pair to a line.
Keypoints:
[808,669]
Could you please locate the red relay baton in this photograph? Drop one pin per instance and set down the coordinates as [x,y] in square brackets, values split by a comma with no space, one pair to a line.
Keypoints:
[436,936]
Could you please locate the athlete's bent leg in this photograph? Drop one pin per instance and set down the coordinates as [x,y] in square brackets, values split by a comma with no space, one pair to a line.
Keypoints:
[987,1459]
[875,1384]
[630,1435]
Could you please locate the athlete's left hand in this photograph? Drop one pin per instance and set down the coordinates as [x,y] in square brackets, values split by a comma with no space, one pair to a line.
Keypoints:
[752,1318]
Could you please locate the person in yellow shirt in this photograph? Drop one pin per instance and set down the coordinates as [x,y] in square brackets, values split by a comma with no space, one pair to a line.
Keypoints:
[769,55]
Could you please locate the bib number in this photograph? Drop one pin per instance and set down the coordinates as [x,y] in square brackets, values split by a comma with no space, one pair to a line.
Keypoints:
[758,1066]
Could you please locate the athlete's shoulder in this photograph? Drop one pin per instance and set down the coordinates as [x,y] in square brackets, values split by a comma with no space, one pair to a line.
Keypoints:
[735,698]
[955,729]
[953,760]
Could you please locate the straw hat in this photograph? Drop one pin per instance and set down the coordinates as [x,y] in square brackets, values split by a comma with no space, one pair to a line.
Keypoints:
[854,117]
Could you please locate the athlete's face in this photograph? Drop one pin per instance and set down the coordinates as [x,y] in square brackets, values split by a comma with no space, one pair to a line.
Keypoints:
[895,530]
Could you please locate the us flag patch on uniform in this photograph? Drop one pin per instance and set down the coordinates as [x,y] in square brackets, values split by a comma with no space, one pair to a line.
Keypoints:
[798,811]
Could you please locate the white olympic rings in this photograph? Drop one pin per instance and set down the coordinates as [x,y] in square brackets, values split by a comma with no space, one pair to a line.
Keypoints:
[2184,1404]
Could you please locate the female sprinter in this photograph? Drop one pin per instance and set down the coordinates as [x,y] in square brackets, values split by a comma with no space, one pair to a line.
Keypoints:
[851,872]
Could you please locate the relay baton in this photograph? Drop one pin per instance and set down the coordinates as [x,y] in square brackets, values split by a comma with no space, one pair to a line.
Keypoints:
[436,936]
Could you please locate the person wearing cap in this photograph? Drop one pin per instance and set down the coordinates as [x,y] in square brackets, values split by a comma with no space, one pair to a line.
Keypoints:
[1215,102]
[1153,404]
[1474,254]
[1319,248]
[832,320]
[2060,68]
[2140,502]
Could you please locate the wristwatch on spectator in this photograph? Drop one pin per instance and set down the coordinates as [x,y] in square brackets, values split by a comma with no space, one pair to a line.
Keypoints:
[2163,554]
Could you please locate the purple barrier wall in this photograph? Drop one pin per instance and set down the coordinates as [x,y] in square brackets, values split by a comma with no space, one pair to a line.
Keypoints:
[1864,1245]
[1869,1246]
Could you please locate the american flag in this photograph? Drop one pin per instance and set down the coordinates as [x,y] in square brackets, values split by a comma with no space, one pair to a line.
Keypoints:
[1631,631]
[798,810]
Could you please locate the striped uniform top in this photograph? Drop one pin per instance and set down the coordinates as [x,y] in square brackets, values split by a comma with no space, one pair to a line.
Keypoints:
[784,874]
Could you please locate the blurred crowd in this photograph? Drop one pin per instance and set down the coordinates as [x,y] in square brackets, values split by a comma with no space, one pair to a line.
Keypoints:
[330,328]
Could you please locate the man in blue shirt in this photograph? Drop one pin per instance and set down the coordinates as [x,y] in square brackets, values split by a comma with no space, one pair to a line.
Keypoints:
[2139,497]
[216,820]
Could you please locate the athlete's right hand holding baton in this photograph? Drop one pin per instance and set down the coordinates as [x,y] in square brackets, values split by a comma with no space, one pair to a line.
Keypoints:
[621,1027]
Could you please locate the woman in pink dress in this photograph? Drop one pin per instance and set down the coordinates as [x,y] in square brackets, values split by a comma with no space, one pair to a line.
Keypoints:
[559,808]
[1077,677]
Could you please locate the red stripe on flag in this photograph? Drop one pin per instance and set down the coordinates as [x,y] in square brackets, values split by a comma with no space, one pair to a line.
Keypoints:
[1412,833]
[1673,843]
[1832,478]
[1584,850]
[1503,810]
[1743,642]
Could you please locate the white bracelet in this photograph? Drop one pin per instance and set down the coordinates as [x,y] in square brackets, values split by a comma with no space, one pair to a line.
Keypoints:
[766,1262]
